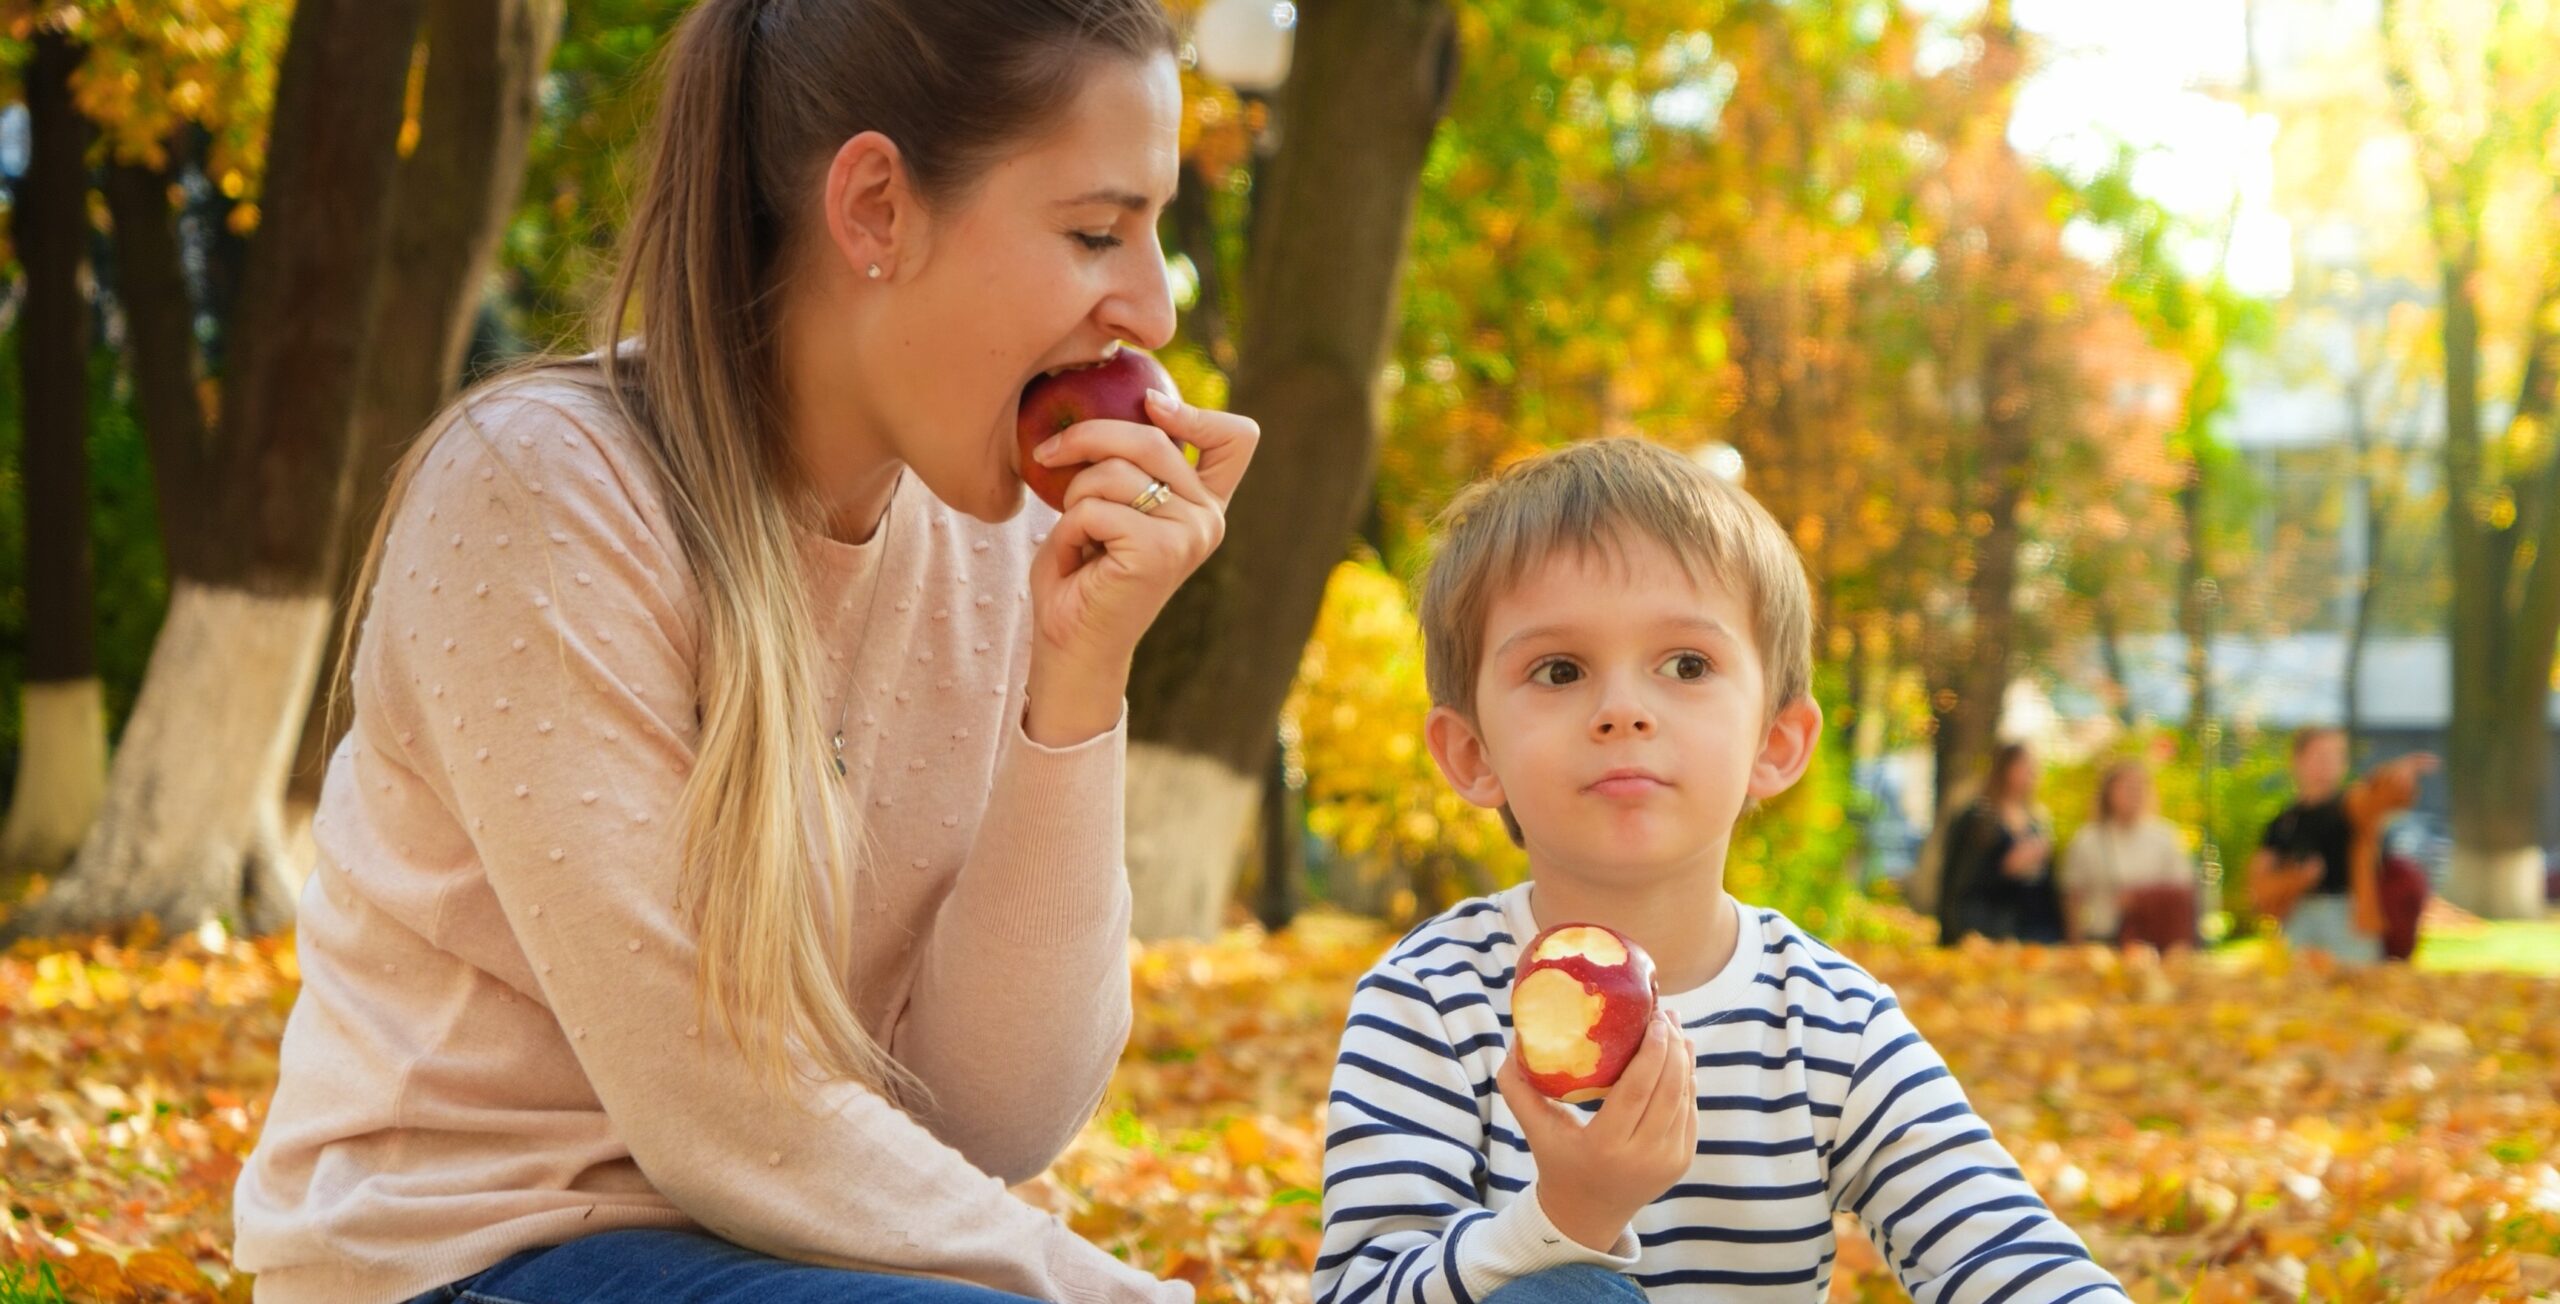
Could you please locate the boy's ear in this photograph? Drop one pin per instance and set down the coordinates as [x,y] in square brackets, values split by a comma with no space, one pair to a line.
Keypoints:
[1787,749]
[1460,752]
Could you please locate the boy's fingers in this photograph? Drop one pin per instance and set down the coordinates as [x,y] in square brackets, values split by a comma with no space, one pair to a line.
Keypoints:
[1689,1129]
[1622,1115]
[1679,1088]
[1674,1090]
[1527,1103]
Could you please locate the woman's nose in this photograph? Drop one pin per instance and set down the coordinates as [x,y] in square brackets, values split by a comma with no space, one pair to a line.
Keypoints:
[1140,309]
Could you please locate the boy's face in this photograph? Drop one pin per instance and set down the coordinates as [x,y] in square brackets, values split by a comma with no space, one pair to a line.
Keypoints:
[1622,713]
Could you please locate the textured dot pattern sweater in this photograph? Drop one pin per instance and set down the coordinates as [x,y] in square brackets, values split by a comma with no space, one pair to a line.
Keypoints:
[496,1045]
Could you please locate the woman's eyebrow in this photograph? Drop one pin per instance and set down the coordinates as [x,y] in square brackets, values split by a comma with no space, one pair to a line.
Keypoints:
[1128,199]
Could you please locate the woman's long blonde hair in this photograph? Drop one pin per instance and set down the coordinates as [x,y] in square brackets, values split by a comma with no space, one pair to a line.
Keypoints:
[757,95]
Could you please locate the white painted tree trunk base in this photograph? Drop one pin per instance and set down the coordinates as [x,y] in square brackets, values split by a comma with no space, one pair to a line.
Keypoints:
[1187,818]
[62,774]
[2497,884]
[192,824]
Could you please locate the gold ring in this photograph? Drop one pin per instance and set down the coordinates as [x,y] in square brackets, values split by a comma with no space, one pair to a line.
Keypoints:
[1152,497]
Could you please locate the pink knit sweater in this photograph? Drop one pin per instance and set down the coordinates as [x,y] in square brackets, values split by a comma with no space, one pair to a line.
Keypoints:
[495,1045]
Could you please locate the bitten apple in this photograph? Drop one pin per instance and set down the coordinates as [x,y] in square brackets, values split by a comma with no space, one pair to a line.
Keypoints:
[1113,389]
[1579,1008]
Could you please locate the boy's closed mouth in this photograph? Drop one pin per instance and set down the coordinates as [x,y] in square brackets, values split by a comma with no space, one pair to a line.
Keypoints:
[1627,781]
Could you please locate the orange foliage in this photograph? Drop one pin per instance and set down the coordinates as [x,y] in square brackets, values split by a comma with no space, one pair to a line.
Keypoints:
[2255,1127]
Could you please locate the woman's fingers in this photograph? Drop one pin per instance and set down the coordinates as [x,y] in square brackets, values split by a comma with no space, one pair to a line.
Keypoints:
[1112,481]
[1144,447]
[1226,441]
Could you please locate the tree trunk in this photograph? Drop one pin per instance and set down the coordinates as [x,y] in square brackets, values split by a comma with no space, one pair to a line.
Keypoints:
[159,328]
[2111,658]
[1283,846]
[2360,622]
[1970,727]
[2504,622]
[2197,593]
[2506,586]
[450,200]
[194,799]
[1370,80]
[62,766]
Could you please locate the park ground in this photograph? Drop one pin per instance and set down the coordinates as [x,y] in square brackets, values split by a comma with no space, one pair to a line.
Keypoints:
[2246,1125]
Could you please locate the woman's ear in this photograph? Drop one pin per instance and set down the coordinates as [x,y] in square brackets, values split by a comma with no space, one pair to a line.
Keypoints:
[873,216]
[1787,749]
[1460,752]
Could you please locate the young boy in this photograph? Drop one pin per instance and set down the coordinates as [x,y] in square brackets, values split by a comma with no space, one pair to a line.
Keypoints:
[1618,646]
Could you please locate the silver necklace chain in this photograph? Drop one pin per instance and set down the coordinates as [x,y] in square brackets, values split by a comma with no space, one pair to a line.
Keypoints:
[853,660]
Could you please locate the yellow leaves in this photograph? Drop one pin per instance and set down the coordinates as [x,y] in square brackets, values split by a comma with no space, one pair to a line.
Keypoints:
[2237,1127]
[1217,129]
[134,1073]
[156,65]
[1356,711]
[1245,1142]
[2494,1278]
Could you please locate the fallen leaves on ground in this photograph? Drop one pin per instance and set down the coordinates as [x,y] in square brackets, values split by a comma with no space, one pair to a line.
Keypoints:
[2256,1126]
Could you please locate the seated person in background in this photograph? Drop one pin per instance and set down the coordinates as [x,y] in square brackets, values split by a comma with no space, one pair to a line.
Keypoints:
[2127,878]
[2318,868]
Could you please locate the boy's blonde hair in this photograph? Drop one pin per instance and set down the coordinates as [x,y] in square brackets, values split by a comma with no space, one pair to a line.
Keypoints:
[1597,495]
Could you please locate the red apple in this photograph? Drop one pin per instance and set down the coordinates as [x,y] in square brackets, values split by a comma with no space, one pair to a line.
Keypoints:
[1114,389]
[1578,1009]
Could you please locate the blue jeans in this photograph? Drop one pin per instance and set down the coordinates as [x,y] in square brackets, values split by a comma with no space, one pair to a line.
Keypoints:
[1574,1283]
[2325,922]
[658,1266]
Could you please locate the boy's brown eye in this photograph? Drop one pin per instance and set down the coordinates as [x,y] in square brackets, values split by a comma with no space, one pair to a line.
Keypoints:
[1555,674]
[1688,665]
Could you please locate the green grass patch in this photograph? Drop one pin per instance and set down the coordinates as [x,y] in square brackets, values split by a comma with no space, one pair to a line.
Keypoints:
[2506,945]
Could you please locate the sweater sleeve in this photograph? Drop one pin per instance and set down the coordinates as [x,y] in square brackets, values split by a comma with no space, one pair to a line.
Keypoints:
[1943,1200]
[1021,999]
[2081,871]
[535,657]
[1404,1217]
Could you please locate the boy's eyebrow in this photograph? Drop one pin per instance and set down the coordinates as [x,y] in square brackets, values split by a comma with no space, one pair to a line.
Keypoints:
[1699,624]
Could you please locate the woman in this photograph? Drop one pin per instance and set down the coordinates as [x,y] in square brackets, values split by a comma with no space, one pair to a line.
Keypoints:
[2126,877]
[1999,860]
[720,893]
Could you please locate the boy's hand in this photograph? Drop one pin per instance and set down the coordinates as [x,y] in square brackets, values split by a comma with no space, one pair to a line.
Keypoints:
[1594,1177]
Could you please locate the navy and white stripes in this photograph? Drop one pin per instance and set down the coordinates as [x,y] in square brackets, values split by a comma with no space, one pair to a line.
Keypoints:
[1815,1094]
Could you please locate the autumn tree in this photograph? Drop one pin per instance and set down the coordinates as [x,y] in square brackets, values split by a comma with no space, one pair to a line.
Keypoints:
[255,502]
[451,196]
[1368,83]
[62,771]
[2480,99]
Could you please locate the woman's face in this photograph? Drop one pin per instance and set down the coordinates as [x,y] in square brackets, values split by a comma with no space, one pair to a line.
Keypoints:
[2128,795]
[2022,777]
[1049,260]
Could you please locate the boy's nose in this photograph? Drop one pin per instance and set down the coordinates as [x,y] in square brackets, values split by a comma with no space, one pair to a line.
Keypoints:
[1618,719]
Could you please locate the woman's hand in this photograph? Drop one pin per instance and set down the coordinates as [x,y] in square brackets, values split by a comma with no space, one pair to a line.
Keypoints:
[1108,568]
[2026,859]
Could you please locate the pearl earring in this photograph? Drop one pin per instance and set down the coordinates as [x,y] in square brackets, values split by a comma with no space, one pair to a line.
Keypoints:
[874,272]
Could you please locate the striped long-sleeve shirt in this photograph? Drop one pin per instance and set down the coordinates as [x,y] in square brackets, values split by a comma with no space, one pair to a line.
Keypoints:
[1815,1095]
